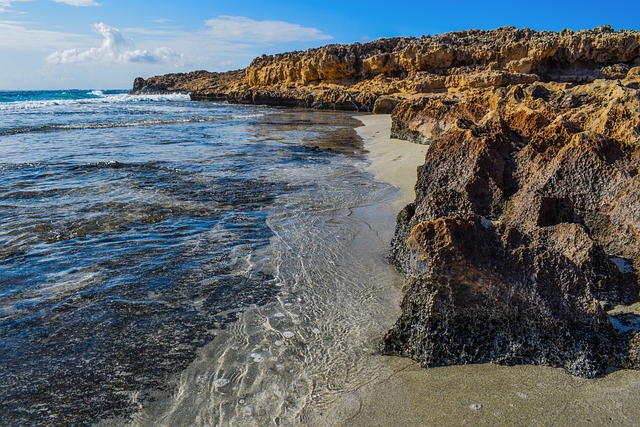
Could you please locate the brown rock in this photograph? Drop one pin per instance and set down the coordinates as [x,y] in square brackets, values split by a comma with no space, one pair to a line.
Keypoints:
[384,105]
[525,209]
[487,293]
[405,66]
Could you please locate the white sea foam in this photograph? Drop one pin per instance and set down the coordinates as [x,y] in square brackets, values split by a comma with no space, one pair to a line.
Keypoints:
[101,99]
[248,116]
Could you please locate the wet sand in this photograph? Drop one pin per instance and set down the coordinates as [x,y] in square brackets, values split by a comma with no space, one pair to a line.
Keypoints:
[392,160]
[404,394]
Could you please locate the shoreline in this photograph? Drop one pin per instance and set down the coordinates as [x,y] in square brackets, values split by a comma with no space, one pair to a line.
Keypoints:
[393,161]
[404,393]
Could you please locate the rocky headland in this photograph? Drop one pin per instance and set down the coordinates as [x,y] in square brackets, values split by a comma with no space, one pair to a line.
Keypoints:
[525,230]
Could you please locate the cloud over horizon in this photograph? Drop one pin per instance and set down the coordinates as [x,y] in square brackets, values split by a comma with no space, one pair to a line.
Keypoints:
[78,3]
[112,55]
[115,48]
[226,35]
[5,5]
[241,28]
[15,36]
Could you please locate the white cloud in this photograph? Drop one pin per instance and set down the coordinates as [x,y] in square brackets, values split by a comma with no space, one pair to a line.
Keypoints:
[115,56]
[240,28]
[78,3]
[5,5]
[115,48]
[226,38]
[14,36]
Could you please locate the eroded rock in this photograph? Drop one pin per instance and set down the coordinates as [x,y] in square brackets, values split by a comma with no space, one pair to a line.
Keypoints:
[352,77]
[526,207]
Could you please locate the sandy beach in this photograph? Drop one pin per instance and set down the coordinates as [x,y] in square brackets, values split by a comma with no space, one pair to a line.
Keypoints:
[392,160]
[405,394]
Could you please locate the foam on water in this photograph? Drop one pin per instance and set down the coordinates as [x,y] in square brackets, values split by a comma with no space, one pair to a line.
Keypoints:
[19,101]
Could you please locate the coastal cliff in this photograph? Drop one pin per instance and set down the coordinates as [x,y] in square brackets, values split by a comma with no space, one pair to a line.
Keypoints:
[375,75]
[525,229]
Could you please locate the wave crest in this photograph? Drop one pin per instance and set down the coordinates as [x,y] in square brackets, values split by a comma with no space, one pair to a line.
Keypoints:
[93,97]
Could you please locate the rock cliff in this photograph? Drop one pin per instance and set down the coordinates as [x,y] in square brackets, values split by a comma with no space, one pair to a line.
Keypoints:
[526,225]
[354,77]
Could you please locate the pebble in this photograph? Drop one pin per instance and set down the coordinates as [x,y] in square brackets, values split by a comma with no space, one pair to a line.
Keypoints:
[257,357]
[220,382]
[277,390]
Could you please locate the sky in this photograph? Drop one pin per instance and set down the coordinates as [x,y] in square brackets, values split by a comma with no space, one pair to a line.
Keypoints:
[105,44]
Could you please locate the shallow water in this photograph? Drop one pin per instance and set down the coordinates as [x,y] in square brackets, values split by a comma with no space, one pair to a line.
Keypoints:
[191,263]
[287,362]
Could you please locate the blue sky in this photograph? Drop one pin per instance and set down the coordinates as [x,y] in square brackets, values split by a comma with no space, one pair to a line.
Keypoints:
[105,44]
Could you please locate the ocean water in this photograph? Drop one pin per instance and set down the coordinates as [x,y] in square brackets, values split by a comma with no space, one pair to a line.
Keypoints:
[169,262]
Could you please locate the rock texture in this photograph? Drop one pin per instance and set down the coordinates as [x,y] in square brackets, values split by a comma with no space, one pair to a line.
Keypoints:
[526,225]
[354,77]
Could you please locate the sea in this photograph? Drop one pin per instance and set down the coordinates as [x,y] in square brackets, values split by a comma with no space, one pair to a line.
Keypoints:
[171,262]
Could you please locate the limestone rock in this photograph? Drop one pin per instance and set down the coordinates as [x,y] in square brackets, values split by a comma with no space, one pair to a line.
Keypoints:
[525,207]
[483,292]
[335,76]
[384,105]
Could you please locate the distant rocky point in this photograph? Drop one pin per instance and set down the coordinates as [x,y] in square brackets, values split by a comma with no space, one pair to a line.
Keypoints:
[525,230]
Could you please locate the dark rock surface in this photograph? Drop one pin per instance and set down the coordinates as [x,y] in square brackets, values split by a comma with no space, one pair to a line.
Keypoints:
[524,228]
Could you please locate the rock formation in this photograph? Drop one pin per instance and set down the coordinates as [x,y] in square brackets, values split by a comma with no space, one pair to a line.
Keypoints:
[354,77]
[526,225]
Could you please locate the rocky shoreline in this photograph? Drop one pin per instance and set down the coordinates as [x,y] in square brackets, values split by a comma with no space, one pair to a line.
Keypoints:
[525,229]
